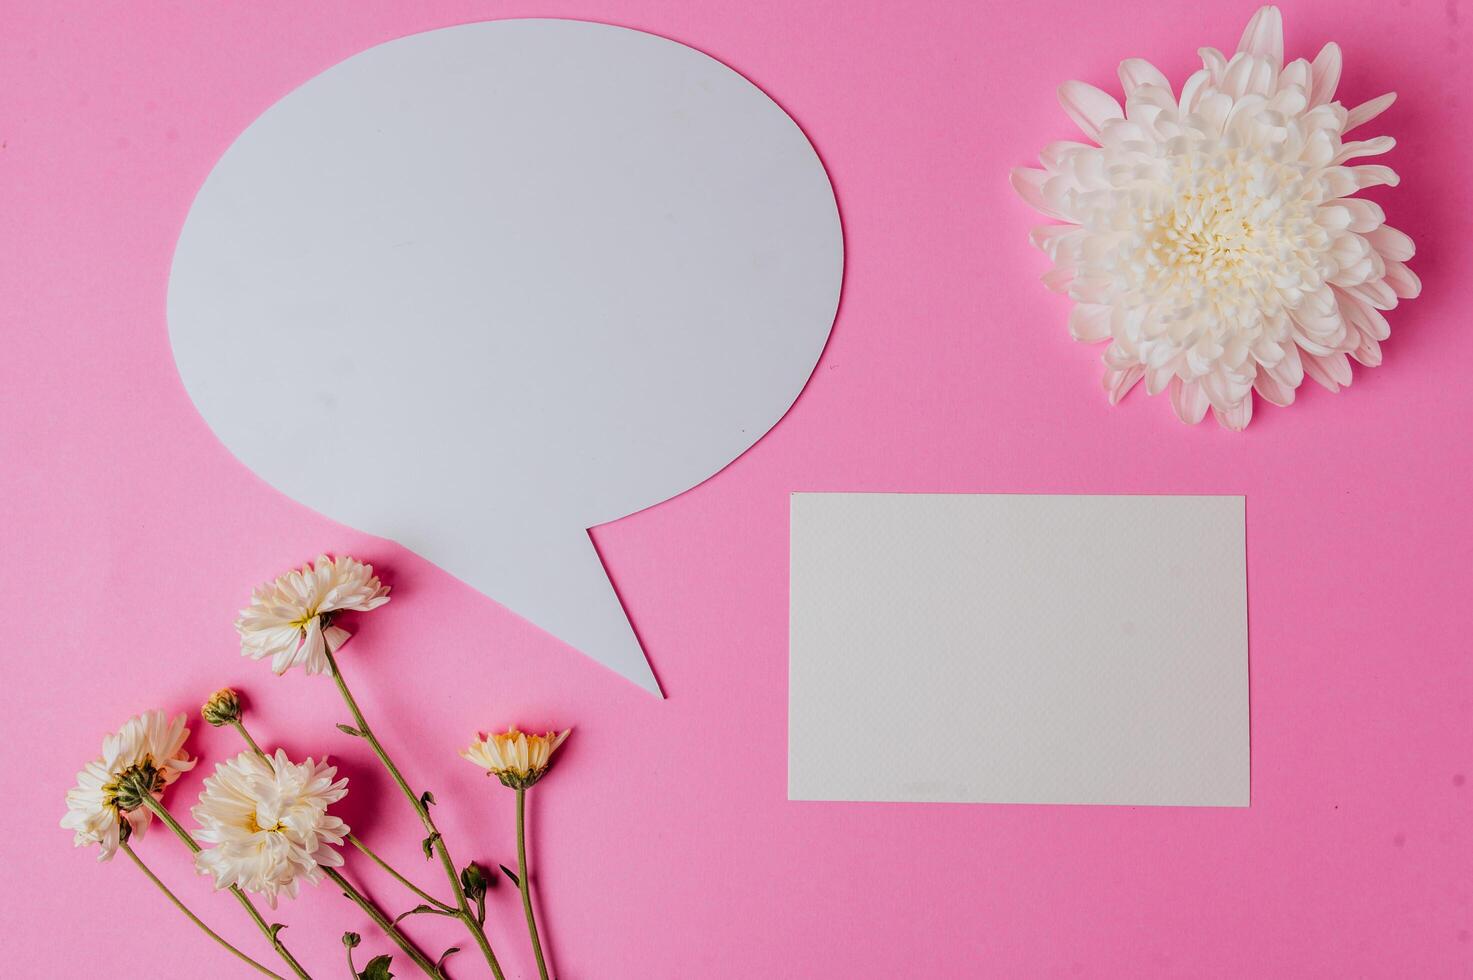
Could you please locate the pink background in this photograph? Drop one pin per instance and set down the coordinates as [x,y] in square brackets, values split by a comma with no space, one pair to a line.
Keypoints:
[664,846]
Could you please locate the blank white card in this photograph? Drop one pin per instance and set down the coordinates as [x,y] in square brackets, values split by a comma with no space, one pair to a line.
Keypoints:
[986,648]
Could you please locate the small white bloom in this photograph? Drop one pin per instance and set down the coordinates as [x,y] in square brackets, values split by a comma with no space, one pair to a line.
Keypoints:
[290,619]
[94,814]
[268,820]
[1210,236]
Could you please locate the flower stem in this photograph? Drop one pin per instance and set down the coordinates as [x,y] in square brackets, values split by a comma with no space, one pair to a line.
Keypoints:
[158,810]
[523,884]
[436,841]
[432,900]
[383,922]
[356,896]
[128,849]
[239,726]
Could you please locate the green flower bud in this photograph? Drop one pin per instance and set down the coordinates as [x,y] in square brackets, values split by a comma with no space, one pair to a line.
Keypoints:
[474,881]
[223,708]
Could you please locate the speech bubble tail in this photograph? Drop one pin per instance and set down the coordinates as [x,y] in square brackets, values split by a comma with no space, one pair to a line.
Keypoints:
[586,613]
[556,581]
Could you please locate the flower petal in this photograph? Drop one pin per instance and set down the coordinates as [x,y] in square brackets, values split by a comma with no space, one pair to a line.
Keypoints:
[1264,36]
[1355,149]
[335,637]
[284,658]
[1058,279]
[1296,74]
[1290,371]
[1056,155]
[1367,111]
[1403,281]
[1366,319]
[1364,215]
[1089,107]
[1392,244]
[1377,293]
[1214,63]
[1237,416]
[1330,370]
[1192,89]
[314,647]
[1367,352]
[1028,182]
[1051,239]
[1138,72]
[1157,378]
[1090,322]
[1117,383]
[1189,401]
[1272,389]
[1324,73]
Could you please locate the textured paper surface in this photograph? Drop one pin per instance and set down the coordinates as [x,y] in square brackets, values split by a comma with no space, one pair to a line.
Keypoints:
[1018,649]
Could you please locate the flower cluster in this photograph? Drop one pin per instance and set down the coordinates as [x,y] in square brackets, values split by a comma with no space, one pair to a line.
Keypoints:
[264,820]
[1210,236]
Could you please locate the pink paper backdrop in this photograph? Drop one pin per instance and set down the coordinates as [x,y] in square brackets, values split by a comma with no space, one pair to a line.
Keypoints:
[664,846]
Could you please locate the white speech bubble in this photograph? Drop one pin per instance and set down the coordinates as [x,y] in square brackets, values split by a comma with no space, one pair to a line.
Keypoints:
[481,289]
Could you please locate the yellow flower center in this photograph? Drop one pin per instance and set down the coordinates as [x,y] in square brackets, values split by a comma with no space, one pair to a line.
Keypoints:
[302,621]
[1223,241]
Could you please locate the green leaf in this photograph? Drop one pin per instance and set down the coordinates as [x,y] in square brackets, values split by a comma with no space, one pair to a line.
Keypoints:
[377,969]
[428,844]
[511,874]
[350,730]
[423,910]
[275,928]
[446,955]
[427,799]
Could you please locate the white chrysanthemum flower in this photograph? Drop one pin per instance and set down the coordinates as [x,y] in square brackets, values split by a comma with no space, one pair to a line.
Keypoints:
[1210,236]
[290,619]
[268,820]
[149,744]
[515,758]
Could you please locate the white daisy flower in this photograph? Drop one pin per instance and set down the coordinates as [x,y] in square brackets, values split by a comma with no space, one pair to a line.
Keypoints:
[268,820]
[150,746]
[1210,236]
[290,619]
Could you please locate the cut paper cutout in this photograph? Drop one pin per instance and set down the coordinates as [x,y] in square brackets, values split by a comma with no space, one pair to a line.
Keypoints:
[481,289]
[1018,649]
